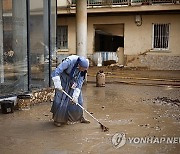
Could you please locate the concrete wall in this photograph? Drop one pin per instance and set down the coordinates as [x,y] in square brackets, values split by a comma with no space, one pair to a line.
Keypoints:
[137,39]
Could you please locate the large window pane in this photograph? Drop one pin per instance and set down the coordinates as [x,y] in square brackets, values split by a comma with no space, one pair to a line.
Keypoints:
[13,47]
[39,43]
[41,36]
[1,47]
[53,34]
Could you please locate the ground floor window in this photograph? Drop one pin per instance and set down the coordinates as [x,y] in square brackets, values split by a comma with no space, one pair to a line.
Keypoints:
[62,37]
[161,36]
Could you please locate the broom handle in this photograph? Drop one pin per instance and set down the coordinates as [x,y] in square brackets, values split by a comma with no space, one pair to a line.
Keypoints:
[81,106]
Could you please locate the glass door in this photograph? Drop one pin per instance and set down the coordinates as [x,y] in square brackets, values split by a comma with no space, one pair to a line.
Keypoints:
[13,47]
[39,44]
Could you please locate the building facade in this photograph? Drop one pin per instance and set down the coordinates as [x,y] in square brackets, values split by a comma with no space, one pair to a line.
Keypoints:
[27,45]
[137,33]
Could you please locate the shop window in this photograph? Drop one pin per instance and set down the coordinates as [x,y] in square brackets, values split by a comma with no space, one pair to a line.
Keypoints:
[161,36]
[13,47]
[39,44]
[62,37]
[25,45]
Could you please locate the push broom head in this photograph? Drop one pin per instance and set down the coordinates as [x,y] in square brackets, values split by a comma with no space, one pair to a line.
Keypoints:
[104,129]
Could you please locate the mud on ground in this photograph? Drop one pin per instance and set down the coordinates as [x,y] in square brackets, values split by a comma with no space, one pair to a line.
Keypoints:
[135,110]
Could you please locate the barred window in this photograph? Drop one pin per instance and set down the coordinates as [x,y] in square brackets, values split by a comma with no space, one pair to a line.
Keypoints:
[161,36]
[62,37]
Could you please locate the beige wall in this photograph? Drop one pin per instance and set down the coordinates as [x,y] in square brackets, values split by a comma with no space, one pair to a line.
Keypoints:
[137,39]
[70,21]
[142,39]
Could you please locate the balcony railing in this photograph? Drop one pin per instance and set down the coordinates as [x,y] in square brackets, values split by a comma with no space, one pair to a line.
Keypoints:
[126,2]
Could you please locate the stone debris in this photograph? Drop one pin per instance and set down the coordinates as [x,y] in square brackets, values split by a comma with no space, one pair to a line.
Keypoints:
[44,95]
[25,101]
[166,101]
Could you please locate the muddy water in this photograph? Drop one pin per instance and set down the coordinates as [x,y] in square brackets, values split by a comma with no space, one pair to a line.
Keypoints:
[128,109]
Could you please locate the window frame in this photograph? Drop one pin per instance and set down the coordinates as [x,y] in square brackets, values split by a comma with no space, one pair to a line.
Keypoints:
[59,37]
[167,37]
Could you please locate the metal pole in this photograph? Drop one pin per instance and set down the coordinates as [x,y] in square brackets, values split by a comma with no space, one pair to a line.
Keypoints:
[1,45]
[28,43]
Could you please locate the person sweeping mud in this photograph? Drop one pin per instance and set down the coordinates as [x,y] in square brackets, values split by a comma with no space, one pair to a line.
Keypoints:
[69,76]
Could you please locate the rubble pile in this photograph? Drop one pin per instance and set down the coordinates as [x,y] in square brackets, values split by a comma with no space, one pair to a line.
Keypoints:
[166,101]
[43,95]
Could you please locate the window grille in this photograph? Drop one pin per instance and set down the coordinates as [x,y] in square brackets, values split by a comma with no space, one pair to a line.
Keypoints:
[62,37]
[161,36]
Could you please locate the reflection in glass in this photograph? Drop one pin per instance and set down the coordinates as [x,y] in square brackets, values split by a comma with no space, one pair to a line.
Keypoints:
[39,44]
[42,41]
[53,34]
[13,47]
[14,66]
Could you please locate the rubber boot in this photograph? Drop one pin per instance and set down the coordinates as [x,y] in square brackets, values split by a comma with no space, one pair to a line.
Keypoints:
[83,120]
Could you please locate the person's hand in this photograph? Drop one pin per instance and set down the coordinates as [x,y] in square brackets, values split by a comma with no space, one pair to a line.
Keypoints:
[59,87]
[74,100]
[75,95]
[57,83]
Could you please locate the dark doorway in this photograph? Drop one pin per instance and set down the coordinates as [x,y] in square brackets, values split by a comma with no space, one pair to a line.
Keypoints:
[105,42]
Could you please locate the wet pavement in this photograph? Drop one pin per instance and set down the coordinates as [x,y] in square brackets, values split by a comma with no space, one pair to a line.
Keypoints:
[137,76]
[135,110]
